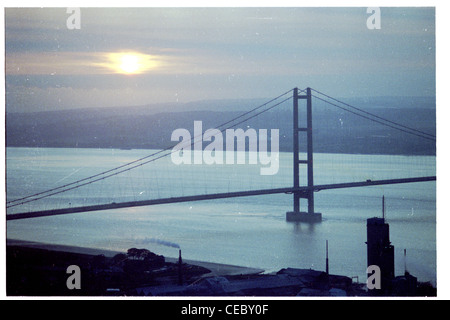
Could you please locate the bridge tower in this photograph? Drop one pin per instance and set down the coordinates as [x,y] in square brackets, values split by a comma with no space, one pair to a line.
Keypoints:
[297,215]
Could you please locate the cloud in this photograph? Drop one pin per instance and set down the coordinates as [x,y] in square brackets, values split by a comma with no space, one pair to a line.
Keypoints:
[215,52]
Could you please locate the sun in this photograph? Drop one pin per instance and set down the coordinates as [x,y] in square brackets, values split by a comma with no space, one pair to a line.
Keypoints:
[130,63]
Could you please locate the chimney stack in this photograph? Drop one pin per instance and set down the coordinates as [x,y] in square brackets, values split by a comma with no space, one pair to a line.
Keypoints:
[180,273]
[326,262]
[404,257]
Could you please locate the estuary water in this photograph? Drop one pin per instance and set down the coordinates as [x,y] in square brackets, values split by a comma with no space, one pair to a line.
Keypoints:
[247,231]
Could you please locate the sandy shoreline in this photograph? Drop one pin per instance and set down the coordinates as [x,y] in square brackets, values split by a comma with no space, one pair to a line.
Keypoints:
[217,269]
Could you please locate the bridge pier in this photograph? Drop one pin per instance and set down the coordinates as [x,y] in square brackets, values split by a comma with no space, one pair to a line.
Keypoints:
[296,215]
[302,216]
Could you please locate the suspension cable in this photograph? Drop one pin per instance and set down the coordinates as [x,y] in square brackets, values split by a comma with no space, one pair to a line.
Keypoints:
[380,122]
[110,173]
[375,116]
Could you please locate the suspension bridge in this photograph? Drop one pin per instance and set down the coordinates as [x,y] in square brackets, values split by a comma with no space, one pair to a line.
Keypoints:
[301,105]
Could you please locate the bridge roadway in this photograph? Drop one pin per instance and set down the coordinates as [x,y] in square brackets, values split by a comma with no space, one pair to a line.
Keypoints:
[301,190]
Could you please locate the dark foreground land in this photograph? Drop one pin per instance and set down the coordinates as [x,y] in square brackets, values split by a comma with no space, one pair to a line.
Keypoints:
[37,271]
[41,272]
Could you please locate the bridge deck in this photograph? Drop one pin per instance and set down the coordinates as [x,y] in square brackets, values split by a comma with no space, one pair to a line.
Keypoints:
[302,190]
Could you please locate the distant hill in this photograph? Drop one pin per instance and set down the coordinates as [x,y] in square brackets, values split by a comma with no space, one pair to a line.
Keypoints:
[151,126]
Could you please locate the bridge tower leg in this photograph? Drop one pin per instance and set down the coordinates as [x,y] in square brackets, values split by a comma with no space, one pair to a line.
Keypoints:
[297,215]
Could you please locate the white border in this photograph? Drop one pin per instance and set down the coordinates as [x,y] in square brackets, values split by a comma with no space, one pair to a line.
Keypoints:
[442,105]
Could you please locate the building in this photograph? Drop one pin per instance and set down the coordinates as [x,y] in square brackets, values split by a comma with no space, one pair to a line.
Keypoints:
[380,253]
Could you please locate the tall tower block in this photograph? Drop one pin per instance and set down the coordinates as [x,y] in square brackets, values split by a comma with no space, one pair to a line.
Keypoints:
[380,252]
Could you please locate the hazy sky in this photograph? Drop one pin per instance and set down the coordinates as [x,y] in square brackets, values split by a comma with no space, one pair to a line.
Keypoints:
[137,56]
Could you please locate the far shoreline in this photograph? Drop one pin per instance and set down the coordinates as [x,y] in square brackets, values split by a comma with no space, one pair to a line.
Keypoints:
[404,154]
